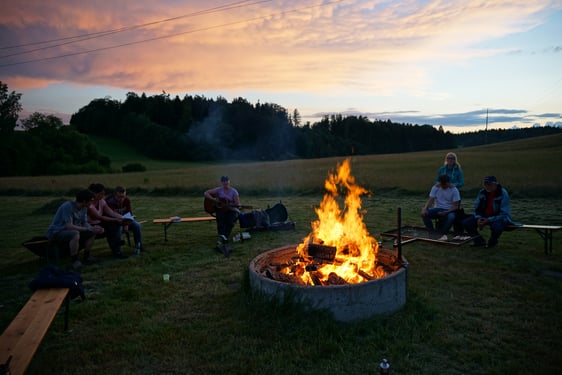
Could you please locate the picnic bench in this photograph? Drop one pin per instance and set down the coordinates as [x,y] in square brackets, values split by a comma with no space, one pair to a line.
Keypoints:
[20,340]
[545,231]
[166,223]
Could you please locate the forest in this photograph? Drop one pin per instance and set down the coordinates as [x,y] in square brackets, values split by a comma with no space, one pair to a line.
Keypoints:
[196,128]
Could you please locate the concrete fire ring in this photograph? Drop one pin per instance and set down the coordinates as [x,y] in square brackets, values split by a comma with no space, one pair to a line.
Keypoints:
[346,303]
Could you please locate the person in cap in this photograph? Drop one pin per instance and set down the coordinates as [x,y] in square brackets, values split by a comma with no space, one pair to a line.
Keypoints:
[226,203]
[443,202]
[491,208]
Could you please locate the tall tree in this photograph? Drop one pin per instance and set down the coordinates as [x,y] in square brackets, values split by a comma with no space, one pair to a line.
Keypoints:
[9,109]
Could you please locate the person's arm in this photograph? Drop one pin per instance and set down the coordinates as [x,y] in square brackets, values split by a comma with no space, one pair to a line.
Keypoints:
[211,194]
[427,205]
[110,215]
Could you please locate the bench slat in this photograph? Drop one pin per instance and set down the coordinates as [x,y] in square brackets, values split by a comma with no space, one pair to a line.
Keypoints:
[24,334]
[184,220]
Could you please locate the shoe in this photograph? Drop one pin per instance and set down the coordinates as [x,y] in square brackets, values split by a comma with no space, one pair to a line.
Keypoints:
[492,243]
[90,260]
[227,250]
[76,265]
[137,251]
[120,255]
[443,238]
[223,238]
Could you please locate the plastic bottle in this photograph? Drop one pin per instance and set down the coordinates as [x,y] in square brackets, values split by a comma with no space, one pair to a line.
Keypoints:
[385,367]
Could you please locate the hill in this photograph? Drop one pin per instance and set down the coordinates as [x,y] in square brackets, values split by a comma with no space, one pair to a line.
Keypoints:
[528,167]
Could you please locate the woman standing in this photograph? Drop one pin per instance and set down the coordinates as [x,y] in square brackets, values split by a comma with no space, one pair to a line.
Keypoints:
[452,168]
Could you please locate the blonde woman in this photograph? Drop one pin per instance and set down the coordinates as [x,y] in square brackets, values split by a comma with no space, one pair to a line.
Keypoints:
[452,168]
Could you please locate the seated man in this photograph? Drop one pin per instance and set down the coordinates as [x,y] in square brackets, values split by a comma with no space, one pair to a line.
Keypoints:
[227,203]
[120,203]
[70,225]
[443,201]
[491,207]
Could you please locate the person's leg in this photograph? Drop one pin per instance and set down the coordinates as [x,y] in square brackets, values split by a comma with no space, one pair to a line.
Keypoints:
[112,234]
[428,218]
[470,226]
[72,238]
[232,217]
[135,227]
[496,229]
[447,222]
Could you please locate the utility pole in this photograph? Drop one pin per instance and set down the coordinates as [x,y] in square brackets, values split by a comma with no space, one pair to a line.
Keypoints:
[486,131]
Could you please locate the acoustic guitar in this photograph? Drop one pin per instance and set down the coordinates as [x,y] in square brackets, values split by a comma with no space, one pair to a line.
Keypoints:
[211,207]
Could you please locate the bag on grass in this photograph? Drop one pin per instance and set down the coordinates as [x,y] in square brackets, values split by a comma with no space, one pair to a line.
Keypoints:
[52,276]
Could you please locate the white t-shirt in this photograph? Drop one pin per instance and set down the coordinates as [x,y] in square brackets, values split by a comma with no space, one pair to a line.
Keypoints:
[444,198]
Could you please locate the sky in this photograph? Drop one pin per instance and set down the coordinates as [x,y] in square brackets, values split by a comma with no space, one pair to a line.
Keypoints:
[439,62]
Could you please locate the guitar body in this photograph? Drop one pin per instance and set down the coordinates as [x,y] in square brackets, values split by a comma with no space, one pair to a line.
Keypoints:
[211,207]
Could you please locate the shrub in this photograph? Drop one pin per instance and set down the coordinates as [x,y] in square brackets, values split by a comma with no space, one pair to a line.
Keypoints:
[134,167]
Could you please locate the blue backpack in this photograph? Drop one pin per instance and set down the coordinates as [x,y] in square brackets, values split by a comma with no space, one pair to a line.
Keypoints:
[52,276]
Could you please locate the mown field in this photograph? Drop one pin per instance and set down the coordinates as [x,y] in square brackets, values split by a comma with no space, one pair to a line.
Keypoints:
[469,310]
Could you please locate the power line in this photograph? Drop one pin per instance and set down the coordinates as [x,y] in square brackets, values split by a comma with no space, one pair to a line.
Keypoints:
[171,35]
[87,36]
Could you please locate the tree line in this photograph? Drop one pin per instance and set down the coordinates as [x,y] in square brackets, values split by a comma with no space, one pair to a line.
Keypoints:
[202,129]
[196,128]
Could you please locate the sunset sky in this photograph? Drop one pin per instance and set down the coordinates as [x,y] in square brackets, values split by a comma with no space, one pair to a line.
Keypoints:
[437,62]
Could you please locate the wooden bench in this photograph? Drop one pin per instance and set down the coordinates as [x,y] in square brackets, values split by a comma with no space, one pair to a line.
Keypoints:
[24,334]
[545,231]
[171,220]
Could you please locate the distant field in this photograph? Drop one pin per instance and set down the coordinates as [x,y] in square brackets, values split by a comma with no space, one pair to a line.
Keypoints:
[529,168]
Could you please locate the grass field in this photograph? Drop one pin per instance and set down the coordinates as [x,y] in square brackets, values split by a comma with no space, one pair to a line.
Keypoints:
[469,310]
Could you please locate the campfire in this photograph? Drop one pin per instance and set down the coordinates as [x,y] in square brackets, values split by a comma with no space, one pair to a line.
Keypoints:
[339,250]
[338,267]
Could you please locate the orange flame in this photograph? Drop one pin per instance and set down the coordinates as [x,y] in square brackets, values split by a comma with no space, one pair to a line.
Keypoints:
[343,229]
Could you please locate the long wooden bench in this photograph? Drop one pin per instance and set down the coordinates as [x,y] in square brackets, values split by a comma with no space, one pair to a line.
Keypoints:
[166,223]
[545,231]
[22,337]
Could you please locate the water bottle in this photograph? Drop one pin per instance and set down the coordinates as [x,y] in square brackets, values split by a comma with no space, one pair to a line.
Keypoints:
[385,367]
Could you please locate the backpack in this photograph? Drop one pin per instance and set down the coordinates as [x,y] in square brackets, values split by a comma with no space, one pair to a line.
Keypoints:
[52,276]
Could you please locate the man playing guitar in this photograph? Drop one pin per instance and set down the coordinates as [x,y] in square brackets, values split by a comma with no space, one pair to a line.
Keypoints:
[226,203]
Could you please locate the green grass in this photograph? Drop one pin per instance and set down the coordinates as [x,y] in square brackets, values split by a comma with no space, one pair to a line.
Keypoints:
[469,311]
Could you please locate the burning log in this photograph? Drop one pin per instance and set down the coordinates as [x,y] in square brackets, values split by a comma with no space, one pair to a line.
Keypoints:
[365,275]
[335,279]
[321,252]
[315,279]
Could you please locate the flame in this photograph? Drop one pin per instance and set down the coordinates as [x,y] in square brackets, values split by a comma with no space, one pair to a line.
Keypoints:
[344,229]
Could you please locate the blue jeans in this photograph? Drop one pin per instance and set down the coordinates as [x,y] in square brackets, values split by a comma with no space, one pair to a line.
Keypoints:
[496,228]
[445,222]
[134,227]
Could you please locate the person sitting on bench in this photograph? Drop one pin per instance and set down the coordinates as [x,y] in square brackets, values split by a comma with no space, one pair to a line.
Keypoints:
[491,207]
[70,226]
[442,204]
[120,203]
[100,215]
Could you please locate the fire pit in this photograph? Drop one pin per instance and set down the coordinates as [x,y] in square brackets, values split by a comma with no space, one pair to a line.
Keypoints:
[338,267]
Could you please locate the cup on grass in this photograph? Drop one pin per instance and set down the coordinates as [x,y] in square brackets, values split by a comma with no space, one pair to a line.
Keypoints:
[166,277]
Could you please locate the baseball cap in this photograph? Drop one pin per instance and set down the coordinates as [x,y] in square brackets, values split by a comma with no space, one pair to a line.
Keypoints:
[491,179]
[224,178]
